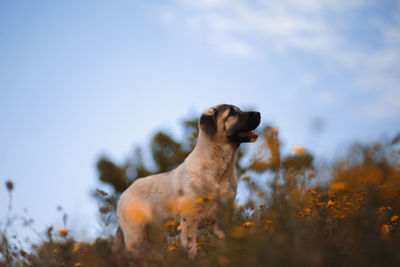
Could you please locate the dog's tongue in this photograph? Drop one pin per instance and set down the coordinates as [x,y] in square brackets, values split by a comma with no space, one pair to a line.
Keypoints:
[250,134]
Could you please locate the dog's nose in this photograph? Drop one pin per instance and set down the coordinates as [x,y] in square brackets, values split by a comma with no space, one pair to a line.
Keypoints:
[257,117]
[254,119]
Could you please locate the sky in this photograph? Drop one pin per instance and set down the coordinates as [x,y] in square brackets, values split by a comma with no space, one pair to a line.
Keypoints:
[81,79]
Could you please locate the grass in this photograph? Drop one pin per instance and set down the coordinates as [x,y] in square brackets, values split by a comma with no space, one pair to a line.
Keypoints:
[344,215]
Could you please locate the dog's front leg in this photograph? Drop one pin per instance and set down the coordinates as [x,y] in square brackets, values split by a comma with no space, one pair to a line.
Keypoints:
[189,235]
[218,232]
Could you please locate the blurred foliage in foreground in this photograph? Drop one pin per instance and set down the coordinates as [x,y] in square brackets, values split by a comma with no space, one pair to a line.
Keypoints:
[346,214]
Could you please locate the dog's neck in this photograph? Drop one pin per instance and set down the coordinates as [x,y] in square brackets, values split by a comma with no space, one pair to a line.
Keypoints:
[216,153]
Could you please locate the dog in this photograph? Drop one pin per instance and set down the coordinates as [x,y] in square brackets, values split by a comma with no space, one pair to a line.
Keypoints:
[183,194]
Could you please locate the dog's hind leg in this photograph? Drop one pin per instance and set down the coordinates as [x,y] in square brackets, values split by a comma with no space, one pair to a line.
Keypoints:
[134,238]
[119,243]
[189,235]
[218,232]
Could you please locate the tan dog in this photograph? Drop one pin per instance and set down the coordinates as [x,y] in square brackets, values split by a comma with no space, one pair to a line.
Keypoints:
[208,172]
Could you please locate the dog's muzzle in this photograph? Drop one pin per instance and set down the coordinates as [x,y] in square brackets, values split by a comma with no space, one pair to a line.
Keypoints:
[244,132]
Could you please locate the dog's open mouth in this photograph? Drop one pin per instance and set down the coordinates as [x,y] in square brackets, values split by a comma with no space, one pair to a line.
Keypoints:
[250,135]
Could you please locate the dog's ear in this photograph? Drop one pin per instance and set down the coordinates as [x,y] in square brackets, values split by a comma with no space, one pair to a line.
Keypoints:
[208,122]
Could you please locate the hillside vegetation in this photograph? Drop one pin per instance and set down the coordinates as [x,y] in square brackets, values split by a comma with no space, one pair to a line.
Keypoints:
[297,213]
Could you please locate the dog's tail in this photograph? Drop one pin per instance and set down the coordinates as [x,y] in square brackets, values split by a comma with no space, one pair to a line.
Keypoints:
[119,243]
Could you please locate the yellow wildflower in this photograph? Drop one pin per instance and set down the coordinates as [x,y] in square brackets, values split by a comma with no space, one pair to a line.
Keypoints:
[63,232]
[77,264]
[56,250]
[394,218]
[175,243]
[307,211]
[171,248]
[169,224]
[179,227]
[389,208]
[330,203]
[386,228]
[248,223]
[299,149]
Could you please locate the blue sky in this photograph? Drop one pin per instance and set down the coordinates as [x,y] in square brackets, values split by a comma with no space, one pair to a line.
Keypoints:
[83,78]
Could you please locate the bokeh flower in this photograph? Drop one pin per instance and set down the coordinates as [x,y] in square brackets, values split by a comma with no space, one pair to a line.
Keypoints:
[248,223]
[299,149]
[170,224]
[394,218]
[330,203]
[63,231]
[386,229]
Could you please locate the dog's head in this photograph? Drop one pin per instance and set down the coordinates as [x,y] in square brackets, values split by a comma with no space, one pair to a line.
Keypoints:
[230,123]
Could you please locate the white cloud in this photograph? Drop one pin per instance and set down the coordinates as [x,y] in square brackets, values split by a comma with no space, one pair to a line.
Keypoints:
[295,23]
[327,29]
[235,47]
[201,3]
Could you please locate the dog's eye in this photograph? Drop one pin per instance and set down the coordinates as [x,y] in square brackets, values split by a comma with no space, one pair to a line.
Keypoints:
[232,112]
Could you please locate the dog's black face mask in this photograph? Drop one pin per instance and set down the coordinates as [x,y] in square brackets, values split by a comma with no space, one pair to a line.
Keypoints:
[230,122]
[242,130]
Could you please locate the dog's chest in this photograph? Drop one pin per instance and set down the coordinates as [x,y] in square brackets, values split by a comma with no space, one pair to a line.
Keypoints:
[221,185]
[228,186]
